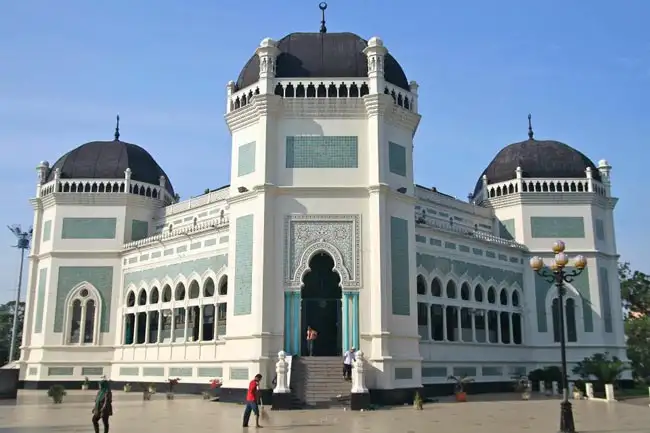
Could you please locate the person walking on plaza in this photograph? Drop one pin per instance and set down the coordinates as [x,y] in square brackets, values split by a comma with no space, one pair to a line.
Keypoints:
[348,359]
[103,405]
[312,334]
[252,401]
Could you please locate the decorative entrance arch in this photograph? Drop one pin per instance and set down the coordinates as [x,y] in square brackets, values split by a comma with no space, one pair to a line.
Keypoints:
[321,295]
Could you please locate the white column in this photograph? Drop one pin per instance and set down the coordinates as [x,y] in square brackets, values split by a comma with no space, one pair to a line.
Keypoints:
[444,323]
[499,340]
[429,323]
[473,316]
[187,322]
[147,328]
[82,325]
[375,52]
[459,336]
[512,341]
[281,370]
[201,323]
[160,323]
[358,379]
[135,327]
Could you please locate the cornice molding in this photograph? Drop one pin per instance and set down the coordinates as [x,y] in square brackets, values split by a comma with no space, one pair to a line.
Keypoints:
[98,199]
[260,105]
[550,199]
[327,108]
[76,254]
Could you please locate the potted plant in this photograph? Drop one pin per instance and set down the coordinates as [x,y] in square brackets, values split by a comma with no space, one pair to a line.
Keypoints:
[578,389]
[127,387]
[417,401]
[523,386]
[459,386]
[152,388]
[56,393]
[86,384]
[171,384]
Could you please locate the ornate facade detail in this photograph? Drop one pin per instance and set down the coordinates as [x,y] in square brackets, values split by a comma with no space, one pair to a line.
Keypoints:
[337,235]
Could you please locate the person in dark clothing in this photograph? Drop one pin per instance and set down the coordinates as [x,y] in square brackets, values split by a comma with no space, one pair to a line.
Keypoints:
[103,406]
[252,401]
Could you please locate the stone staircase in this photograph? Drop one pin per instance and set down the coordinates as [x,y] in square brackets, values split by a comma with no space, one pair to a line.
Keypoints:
[318,382]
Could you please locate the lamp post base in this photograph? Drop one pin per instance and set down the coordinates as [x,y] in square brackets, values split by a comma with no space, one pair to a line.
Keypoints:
[566,418]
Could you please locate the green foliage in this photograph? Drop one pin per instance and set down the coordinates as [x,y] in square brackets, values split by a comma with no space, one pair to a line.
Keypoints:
[460,382]
[602,367]
[638,347]
[547,375]
[6,325]
[56,392]
[635,289]
[177,198]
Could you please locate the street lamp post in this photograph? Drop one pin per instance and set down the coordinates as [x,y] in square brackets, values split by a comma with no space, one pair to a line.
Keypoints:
[23,242]
[558,276]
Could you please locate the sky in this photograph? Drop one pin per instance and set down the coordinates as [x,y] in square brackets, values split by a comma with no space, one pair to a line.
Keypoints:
[581,68]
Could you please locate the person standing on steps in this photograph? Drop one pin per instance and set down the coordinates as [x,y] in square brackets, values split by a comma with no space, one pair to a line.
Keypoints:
[103,406]
[348,359]
[312,334]
[252,401]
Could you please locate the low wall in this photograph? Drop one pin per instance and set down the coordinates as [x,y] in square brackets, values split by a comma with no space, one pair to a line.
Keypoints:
[9,383]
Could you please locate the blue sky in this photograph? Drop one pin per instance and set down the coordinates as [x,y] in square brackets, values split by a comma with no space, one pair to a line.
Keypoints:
[581,68]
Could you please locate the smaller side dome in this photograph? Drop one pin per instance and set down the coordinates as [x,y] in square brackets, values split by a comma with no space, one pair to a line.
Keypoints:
[539,159]
[109,160]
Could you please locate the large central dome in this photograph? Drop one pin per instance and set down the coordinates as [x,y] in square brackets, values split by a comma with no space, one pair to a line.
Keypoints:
[322,55]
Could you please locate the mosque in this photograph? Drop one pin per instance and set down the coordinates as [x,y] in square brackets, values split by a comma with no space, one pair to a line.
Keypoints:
[322,224]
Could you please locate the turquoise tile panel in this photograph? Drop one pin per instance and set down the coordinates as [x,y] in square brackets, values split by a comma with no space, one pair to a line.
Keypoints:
[195,246]
[211,372]
[580,283]
[129,371]
[88,228]
[92,371]
[322,152]
[156,254]
[40,300]
[599,228]
[246,159]
[436,242]
[139,230]
[243,265]
[557,227]
[492,371]
[200,266]
[47,231]
[239,373]
[464,371]
[153,371]
[180,371]
[400,269]
[60,371]
[450,245]
[396,159]
[420,239]
[181,249]
[477,251]
[463,248]
[210,242]
[403,373]
[101,277]
[434,372]
[605,300]
[507,229]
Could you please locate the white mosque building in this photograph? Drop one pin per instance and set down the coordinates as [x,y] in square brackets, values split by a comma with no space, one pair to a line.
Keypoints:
[322,224]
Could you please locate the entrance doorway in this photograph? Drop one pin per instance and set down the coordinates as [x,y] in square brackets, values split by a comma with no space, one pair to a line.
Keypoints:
[321,306]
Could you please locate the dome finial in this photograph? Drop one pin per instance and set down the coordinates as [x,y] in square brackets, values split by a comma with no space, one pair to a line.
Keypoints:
[117,128]
[530,127]
[322,6]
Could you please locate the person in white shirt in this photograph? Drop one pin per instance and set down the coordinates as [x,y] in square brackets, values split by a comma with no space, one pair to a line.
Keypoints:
[348,359]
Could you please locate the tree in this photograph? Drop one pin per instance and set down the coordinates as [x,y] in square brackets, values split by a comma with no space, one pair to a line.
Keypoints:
[637,331]
[6,326]
[605,368]
[635,289]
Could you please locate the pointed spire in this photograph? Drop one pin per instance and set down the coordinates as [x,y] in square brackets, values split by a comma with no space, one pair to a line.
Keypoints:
[322,6]
[117,128]
[530,127]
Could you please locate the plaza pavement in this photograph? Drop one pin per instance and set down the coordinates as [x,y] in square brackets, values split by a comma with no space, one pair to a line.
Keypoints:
[33,412]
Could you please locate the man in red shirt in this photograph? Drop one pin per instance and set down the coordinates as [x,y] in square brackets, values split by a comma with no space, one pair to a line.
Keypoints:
[252,399]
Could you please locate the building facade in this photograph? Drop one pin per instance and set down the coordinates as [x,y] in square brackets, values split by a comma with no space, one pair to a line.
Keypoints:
[322,225]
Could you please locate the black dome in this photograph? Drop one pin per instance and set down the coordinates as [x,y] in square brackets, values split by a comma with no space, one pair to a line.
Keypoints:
[322,55]
[109,160]
[537,159]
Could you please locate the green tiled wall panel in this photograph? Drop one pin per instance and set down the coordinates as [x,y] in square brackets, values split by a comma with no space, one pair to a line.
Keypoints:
[239,373]
[139,230]
[400,269]
[434,372]
[599,228]
[40,300]
[101,277]
[507,229]
[396,159]
[92,371]
[322,152]
[60,371]
[557,227]
[464,371]
[580,283]
[211,372]
[492,371]
[246,159]
[89,228]
[180,371]
[153,371]
[243,265]
[129,371]
[445,265]
[605,301]
[403,373]
[47,231]
[214,263]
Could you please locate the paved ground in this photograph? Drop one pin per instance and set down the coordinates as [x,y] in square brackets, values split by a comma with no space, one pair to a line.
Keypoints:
[33,413]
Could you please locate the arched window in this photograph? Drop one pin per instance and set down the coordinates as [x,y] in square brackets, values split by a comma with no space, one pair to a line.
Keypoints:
[142,297]
[82,316]
[515,298]
[208,288]
[421,285]
[179,293]
[451,289]
[503,297]
[571,328]
[130,299]
[154,297]
[478,293]
[222,306]
[555,312]
[223,286]
[167,293]
[464,292]
[194,290]
[436,287]
[492,295]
